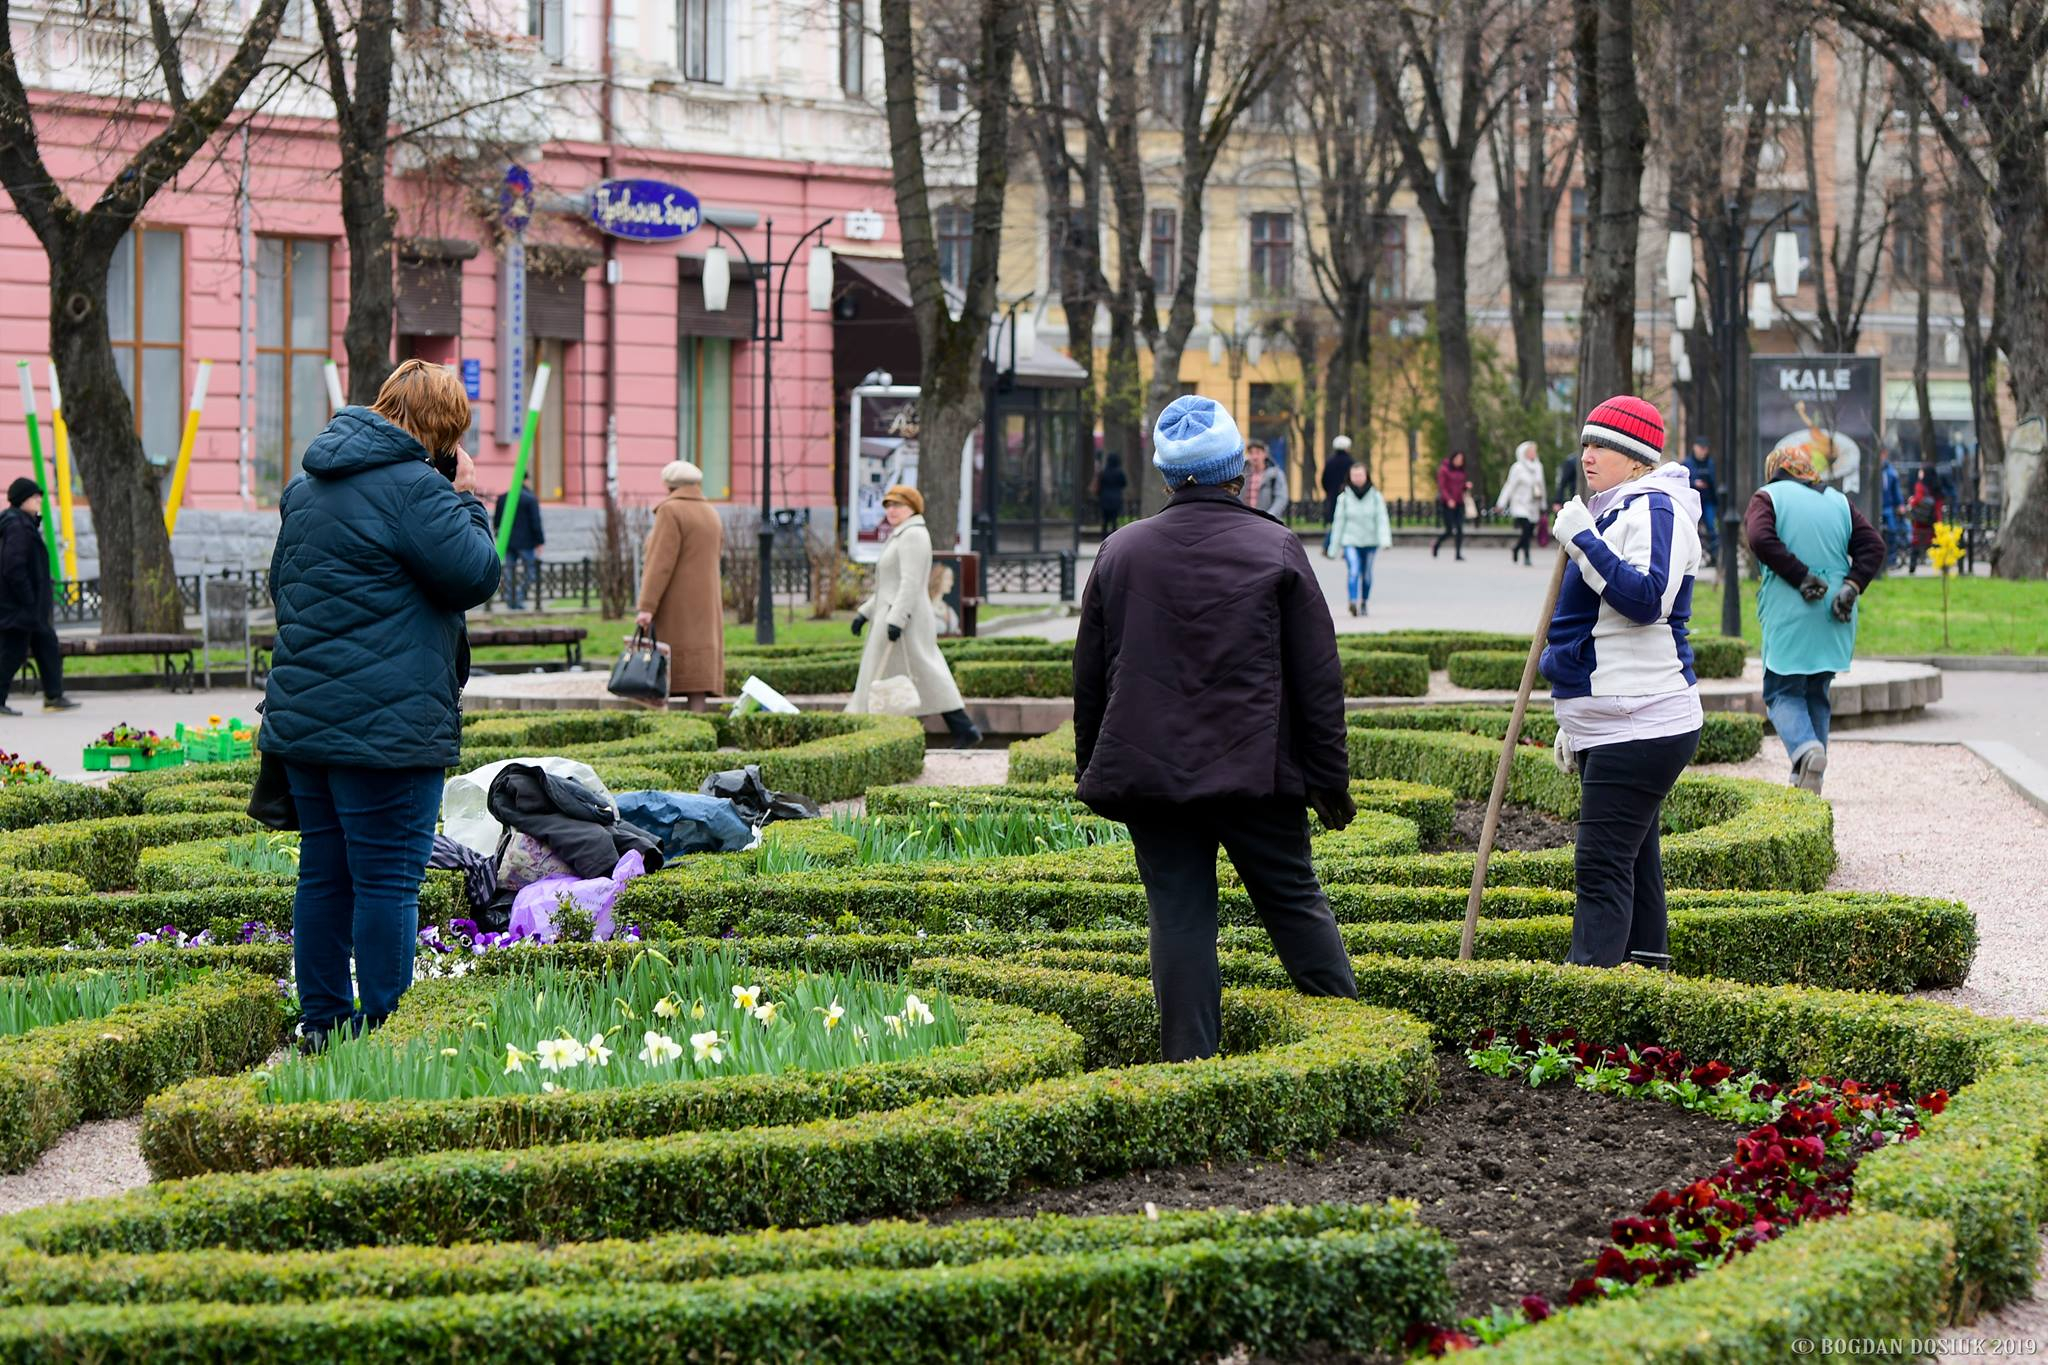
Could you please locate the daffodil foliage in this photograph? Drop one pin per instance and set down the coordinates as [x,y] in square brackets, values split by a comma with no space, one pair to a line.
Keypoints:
[654,1020]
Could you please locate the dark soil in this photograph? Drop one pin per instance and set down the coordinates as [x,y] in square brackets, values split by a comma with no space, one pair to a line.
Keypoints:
[1524,1181]
[1521,829]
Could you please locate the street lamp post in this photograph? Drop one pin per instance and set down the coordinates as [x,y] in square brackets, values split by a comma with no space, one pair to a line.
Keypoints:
[766,327]
[1730,308]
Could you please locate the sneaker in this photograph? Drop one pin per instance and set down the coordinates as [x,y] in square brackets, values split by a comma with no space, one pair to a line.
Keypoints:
[6,710]
[1354,608]
[59,704]
[1810,769]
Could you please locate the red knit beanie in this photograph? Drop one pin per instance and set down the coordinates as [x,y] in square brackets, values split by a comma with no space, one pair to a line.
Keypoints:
[1629,425]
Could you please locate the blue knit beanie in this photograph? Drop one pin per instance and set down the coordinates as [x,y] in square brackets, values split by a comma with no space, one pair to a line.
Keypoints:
[1195,441]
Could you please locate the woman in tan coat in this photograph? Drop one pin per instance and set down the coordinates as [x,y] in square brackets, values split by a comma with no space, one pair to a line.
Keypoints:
[680,596]
[906,637]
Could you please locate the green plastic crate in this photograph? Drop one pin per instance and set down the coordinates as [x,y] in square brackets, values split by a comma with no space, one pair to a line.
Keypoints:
[201,747]
[101,758]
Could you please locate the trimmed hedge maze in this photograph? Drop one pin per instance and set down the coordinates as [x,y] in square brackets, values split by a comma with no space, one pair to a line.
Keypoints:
[729,1217]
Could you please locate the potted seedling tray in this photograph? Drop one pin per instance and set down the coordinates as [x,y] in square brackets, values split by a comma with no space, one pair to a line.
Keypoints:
[219,742]
[127,749]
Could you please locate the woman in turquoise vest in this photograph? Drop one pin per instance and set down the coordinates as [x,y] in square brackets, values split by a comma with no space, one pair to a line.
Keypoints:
[1818,553]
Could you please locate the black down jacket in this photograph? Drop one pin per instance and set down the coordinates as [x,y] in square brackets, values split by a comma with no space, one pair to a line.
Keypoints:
[25,595]
[570,818]
[1206,663]
[377,559]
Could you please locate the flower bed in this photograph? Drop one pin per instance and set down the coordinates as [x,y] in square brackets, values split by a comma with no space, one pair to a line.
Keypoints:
[16,771]
[127,749]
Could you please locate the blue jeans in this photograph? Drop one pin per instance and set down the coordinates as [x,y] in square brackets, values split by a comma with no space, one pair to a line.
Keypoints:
[364,838]
[1800,708]
[521,568]
[1358,570]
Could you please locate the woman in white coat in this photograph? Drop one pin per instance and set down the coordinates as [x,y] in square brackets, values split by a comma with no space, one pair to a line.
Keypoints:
[905,640]
[1521,497]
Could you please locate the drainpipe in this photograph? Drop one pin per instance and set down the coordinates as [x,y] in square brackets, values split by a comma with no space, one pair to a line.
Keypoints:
[611,272]
[246,463]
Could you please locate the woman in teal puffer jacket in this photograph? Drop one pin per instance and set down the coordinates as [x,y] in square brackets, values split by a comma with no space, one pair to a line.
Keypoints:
[1359,530]
[382,548]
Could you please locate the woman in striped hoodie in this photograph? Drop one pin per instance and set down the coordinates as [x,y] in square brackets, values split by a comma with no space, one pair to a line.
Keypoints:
[1620,669]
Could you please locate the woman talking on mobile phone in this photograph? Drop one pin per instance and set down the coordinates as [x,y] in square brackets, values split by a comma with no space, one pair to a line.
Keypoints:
[382,548]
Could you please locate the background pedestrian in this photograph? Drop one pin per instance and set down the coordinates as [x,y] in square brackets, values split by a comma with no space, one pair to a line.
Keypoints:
[905,639]
[522,552]
[28,600]
[1265,483]
[1521,497]
[1199,727]
[682,597]
[1923,510]
[1109,491]
[1628,705]
[1453,491]
[380,551]
[1336,478]
[1818,554]
[1359,530]
[1699,467]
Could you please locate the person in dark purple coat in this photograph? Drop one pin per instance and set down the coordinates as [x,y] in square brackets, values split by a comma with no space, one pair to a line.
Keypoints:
[1209,709]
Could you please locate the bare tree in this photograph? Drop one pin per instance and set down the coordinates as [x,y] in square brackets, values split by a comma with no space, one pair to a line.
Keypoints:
[138,585]
[1441,91]
[1614,135]
[1920,252]
[1534,145]
[1845,274]
[949,402]
[2010,98]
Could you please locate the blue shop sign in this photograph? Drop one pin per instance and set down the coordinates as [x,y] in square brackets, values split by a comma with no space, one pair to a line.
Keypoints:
[644,210]
[472,379]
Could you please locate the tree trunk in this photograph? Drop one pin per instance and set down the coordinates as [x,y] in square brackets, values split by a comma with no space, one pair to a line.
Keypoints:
[1454,346]
[1614,129]
[365,214]
[2021,550]
[138,582]
[1525,315]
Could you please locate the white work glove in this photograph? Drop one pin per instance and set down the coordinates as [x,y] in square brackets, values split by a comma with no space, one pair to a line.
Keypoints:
[1561,750]
[1572,518]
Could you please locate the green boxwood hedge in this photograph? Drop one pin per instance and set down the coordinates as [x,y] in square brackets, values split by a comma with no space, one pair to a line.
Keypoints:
[1725,736]
[1714,656]
[227,1125]
[104,852]
[1297,1073]
[1387,674]
[52,1078]
[1043,1289]
[1492,670]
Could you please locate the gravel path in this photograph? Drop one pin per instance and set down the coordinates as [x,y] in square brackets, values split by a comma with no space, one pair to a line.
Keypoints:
[92,1159]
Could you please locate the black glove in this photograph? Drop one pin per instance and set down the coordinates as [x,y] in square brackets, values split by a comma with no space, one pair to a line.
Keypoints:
[1813,587]
[858,622]
[895,633]
[1844,605]
[1334,808]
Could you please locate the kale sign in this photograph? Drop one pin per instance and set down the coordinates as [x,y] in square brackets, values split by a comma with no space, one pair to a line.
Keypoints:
[644,210]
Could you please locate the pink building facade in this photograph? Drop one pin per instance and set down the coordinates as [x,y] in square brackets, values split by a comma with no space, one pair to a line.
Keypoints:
[245,254]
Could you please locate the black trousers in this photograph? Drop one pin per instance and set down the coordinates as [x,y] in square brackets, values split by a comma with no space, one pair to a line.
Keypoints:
[17,645]
[1268,844]
[1620,865]
[1528,537]
[1452,514]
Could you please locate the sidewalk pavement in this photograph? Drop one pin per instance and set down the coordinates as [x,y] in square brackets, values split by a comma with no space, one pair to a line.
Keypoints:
[58,738]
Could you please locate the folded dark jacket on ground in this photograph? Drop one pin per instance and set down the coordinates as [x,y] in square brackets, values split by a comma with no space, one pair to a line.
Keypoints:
[578,824]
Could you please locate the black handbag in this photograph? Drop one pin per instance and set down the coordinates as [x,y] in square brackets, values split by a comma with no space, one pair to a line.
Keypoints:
[642,670]
[270,803]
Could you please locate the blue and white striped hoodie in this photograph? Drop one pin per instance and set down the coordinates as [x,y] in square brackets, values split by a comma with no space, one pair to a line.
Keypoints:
[1620,625]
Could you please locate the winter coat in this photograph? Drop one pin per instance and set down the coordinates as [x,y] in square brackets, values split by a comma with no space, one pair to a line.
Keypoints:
[680,588]
[903,598]
[1451,484]
[1923,509]
[1337,473]
[1270,496]
[1522,493]
[1701,472]
[1361,521]
[580,826]
[377,559]
[1620,625]
[1794,529]
[527,532]
[26,598]
[1206,663]
[1109,488]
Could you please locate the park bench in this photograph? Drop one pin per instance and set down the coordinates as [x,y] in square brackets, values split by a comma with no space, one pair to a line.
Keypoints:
[568,638]
[168,648]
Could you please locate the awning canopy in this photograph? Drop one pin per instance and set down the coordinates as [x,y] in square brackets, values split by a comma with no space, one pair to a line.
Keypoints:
[1948,398]
[1042,368]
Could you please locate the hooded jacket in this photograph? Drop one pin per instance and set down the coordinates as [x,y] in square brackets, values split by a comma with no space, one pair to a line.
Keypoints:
[1522,492]
[25,592]
[1622,614]
[377,559]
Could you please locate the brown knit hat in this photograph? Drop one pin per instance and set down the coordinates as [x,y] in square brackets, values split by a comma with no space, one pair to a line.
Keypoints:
[906,495]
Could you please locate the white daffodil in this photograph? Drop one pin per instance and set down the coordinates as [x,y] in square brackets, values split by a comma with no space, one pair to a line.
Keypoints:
[547,1087]
[833,1015]
[895,1023]
[706,1045]
[666,1007]
[746,997]
[860,1036]
[515,1060]
[595,1053]
[765,1012]
[449,1051]
[916,1011]
[659,1048]
[697,1009]
[558,1054]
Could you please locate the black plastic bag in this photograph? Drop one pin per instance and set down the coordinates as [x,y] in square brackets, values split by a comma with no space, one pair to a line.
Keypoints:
[752,799]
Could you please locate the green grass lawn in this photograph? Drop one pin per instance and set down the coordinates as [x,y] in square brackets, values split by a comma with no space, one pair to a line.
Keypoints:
[1901,614]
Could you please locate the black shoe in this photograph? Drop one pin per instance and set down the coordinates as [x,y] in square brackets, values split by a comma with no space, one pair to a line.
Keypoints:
[965,734]
[59,704]
[6,710]
[1436,549]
